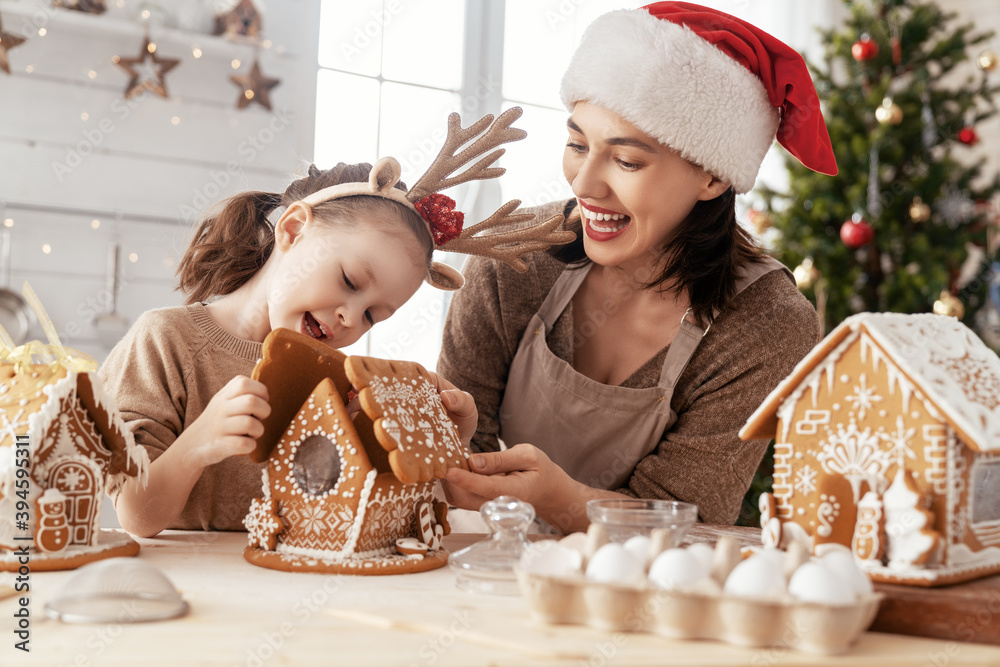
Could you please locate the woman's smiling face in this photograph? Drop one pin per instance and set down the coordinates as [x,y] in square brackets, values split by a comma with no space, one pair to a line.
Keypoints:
[633,191]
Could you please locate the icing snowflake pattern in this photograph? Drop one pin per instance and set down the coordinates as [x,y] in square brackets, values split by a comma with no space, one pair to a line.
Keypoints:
[315,524]
[72,480]
[899,441]
[261,523]
[864,398]
[805,480]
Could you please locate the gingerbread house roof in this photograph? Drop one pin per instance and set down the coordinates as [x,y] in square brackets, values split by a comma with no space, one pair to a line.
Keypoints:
[944,359]
[402,416]
[46,391]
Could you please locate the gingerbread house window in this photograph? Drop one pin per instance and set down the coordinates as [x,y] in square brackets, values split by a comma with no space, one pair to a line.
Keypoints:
[317,465]
[986,492]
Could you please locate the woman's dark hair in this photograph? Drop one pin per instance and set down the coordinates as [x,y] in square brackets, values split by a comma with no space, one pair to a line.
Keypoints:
[704,255]
[232,245]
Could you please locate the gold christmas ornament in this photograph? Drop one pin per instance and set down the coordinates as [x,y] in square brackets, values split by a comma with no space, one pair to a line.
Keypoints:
[806,274]
[950,305]
[889,112]
[987,60]
[919,211]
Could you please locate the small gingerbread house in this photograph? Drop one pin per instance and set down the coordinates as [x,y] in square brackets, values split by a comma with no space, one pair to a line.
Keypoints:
[243,20]
[57,423]
[349,493]
[887,440]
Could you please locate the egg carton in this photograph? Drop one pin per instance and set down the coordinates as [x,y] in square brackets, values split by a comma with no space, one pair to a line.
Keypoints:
[742,621]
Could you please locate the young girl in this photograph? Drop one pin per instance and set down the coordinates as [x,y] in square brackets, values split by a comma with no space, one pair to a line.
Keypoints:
[331,271]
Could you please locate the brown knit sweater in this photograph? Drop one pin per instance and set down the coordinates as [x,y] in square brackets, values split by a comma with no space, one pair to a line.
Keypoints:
[162,374]
[752,345]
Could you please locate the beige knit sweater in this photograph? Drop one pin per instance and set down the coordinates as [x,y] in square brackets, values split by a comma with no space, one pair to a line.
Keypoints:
[752,345]
[162,374]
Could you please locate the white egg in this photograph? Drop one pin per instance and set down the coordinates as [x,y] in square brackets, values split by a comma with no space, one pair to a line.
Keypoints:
[844,565]
[612,563]
[676,568]
[703,555]
[757,577]
[550,558]
[815,582]
[703,552]
[577,541]
[638,546]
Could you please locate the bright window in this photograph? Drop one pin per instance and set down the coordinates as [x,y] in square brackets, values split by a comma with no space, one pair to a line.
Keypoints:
[391,70]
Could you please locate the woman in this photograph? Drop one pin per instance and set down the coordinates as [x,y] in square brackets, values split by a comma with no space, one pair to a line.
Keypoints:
[624,364]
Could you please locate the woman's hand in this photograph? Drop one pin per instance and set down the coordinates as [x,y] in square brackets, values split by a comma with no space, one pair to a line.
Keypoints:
[460,406]
[527,473]
[229,425]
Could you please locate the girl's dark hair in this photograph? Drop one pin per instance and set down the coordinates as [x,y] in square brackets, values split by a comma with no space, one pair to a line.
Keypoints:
[704,255]
[232,245]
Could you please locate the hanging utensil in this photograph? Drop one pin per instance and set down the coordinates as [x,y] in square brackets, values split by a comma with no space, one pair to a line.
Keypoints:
[110,325]
[15,314]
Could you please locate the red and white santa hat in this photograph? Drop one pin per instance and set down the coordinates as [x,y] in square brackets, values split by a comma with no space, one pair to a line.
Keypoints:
[709,85]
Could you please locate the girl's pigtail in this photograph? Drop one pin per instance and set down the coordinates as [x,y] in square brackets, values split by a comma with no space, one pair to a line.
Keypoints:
[228,248]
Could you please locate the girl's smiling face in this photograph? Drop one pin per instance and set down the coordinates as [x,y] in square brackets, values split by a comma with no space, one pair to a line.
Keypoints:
[633,191]
[334,282]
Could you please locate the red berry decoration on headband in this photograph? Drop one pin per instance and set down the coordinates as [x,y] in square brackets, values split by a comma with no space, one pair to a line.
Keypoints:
[439,212]
[864,49]
[856,232]
[968,136]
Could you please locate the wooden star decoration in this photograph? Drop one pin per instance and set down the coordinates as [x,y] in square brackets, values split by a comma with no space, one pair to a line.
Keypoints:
[256,87]
[146,76]
[7,42]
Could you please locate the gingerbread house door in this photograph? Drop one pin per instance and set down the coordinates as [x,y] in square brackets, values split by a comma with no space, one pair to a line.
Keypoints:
[77,480]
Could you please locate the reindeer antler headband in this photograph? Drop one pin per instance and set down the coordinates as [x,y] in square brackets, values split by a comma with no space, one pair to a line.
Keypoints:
[438,211]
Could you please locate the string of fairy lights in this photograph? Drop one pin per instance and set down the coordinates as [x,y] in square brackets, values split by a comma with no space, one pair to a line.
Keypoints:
[235,22]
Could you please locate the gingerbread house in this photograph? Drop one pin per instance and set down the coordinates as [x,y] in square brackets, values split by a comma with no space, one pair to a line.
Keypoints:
[57,423]
[343,492]
[887,440]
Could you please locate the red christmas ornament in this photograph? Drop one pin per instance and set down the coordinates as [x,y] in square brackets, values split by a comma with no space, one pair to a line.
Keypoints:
[439,212]
[864,49]
[968,136]
[856,232]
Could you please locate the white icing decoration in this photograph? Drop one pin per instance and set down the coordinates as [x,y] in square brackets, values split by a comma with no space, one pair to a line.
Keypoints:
[905,524]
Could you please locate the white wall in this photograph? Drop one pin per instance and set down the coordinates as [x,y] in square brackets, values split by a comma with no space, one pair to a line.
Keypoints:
[127,164]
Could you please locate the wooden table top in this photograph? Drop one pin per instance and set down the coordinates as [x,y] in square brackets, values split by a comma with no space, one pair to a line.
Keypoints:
[250,616]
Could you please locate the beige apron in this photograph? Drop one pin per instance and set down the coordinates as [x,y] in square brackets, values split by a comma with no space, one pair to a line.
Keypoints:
[595,432]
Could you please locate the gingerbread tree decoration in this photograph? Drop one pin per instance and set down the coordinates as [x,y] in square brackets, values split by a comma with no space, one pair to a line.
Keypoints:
[911,541]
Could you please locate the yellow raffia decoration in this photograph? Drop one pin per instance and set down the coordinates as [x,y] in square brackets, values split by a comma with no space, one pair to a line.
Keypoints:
[35,352]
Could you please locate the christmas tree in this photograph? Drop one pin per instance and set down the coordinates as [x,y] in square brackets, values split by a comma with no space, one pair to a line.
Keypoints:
[908,225]
[905,225]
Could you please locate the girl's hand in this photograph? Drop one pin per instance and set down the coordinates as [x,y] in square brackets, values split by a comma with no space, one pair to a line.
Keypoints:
[460,406]
[527,473]
[230,423]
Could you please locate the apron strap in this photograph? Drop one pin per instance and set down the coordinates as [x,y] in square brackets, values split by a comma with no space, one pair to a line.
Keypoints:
[561,294]
[686,341]
[680,351]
